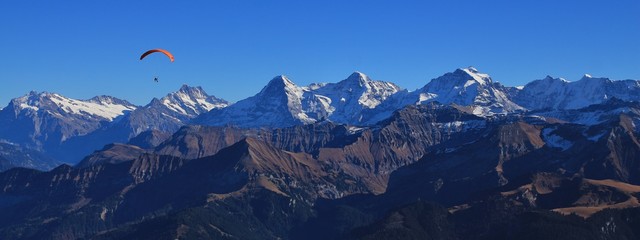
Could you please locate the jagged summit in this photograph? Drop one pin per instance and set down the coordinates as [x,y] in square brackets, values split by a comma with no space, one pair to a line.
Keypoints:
[346,100]
[104,99]
[549,78]
[172,111]
[472,74]
[466,87]
[596,80]
[194,91]
[190,101]
[358,77]
[278,83]
[282,103]
[277,104]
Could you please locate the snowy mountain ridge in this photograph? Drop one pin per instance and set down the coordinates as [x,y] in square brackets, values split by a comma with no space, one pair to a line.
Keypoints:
[104,107]
[356,100]
[192,101]
[467,87]
[282,103]
[67,128]
[558,93]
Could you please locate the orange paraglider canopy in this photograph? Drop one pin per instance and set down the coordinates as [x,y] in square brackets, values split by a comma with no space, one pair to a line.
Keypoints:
[157,50]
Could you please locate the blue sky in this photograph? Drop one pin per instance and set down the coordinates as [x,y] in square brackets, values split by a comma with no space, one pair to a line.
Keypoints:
[233,48]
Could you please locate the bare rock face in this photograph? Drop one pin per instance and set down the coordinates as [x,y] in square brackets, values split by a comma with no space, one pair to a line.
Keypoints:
[193,142]
[619,149]
[112,154]
[149,139]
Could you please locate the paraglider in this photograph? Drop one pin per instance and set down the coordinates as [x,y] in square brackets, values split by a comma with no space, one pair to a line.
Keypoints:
[165,52]
[145,54]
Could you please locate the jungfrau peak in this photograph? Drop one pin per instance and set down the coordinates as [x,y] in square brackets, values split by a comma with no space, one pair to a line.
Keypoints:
[467,87]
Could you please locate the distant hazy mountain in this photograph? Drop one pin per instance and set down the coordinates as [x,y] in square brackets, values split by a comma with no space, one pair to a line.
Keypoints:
[13,155]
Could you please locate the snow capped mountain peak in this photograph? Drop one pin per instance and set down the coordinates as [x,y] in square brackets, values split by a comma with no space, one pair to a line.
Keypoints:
[471,69]
[550,79]
[282,103]
[30,101]
[105,107]
[588,79]
[278,104]
[459,82]
[190,101]
[34,93]
[170,112]
[344,101]
[466,87]
[277,84]
[105,100]
[358,77]
[281,84]
[192,90]
[33,98]
[282,90]
[472,74]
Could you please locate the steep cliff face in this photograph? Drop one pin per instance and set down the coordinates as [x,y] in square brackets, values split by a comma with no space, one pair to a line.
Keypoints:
[619,147]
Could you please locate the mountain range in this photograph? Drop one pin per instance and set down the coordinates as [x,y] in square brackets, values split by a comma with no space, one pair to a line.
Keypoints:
[463,157]
[68,129]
